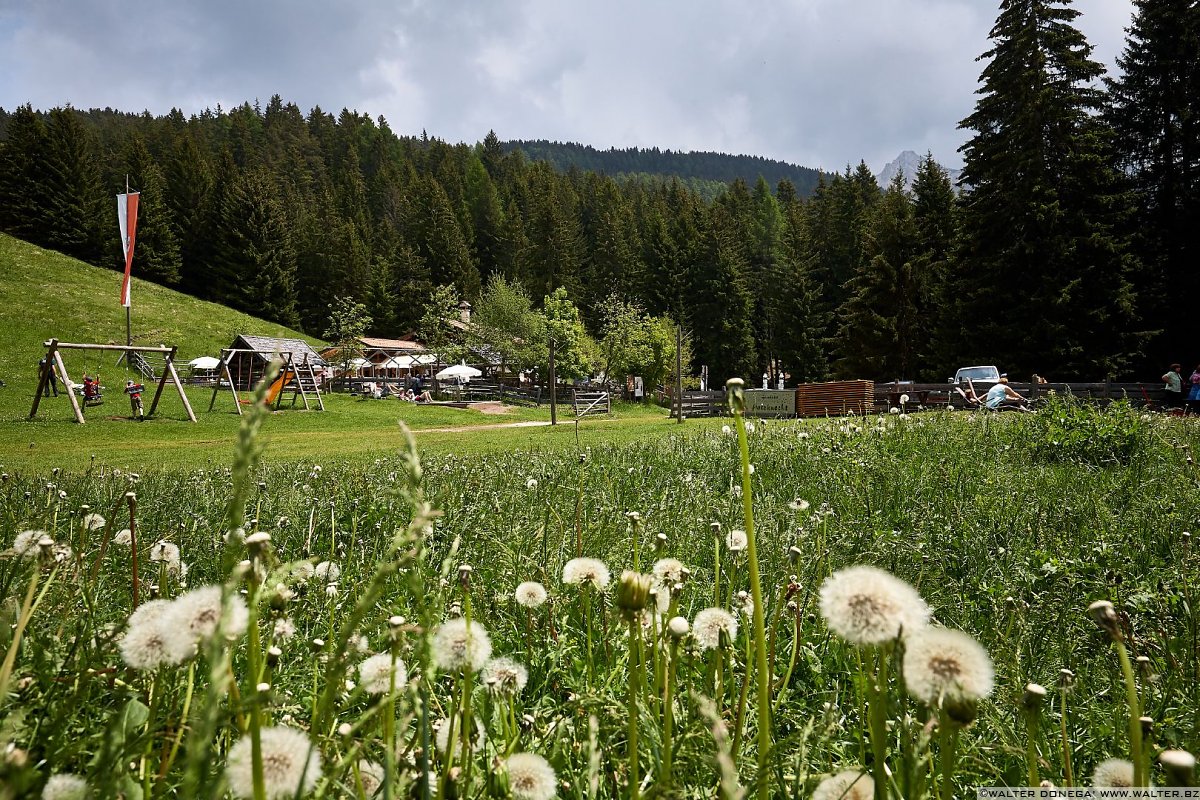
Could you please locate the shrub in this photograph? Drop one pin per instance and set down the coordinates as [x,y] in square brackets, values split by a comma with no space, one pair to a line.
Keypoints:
[1067,430]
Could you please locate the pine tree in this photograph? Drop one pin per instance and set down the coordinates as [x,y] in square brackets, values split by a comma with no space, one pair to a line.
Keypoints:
[1044,271]
[1154,108]
[74,214]
[23,200]
[189,183]
[804,314]
[156,251]
[935,216]
[721,305]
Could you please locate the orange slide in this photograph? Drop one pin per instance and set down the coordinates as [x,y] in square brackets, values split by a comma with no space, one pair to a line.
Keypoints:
[285,376]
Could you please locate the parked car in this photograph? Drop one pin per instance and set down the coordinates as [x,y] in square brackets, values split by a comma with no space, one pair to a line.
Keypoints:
[982,374]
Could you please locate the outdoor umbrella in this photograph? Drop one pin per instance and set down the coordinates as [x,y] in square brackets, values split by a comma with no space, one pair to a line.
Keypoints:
[458,372]
[204,362]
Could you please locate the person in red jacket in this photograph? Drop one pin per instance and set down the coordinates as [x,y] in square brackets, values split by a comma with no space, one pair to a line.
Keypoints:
[134,390]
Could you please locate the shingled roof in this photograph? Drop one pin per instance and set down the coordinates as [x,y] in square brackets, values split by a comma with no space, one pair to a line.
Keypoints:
[267,346]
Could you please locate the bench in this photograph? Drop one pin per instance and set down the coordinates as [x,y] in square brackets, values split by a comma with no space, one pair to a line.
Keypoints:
[590,403]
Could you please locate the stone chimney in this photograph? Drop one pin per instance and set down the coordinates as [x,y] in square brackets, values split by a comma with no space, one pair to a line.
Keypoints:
[464,312]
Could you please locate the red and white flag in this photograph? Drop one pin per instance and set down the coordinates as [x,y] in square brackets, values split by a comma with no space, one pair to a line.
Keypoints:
[127,205]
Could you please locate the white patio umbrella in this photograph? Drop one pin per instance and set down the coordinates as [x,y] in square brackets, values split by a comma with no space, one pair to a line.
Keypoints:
[458,372]
[204,362]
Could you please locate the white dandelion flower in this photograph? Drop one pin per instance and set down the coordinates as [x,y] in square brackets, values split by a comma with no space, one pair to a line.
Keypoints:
[358,644]
[65,786]
[284,629]
[725,429]
[149,611]
[679,627]
[736,541]
[710,624]
[457,646]
[530,777]
[745,604]
[291,765]
[851,784]
[442,736]
[942,663]
[371,775]
[123,537]
[303,572]
[530,594]
[504,677]
[26,544]
[531,484]
[749,427]
[145,644]
[166,553]
[586,572]
[903,399]
[1113,773]
[668,571]
[866,606]
[94,522]
[193,618]
[375,674]
[327,572]
[799,504]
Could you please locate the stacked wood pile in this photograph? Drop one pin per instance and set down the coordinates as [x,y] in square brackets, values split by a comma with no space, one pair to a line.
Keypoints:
[834,398]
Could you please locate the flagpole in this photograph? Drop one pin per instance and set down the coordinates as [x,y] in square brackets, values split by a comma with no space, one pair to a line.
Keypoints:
[128,308]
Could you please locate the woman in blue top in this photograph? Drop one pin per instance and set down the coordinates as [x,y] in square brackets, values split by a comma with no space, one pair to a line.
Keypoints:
[1000,392]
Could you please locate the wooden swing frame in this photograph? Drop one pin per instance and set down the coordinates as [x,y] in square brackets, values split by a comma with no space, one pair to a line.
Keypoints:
[54,359]
[287,366]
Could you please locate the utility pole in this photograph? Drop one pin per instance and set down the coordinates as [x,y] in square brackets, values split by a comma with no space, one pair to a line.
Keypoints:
[553,387]
[679,370]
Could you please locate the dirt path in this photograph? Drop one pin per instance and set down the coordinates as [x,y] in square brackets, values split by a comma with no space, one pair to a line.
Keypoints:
[461,428]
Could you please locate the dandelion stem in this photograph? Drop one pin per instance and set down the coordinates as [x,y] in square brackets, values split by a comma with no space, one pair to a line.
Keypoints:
[1032,717]
[1135,725]
[787,676]
[1066,742]
[877,694]
[947,744]
[27,608]
[668,714]
[165,767]
[635,668]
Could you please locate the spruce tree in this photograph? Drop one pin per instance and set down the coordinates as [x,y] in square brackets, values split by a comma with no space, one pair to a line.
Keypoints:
[1154,108]
[1042,270]
[23,200]
[935,215]
[156,252]
[720,307]
[75,204]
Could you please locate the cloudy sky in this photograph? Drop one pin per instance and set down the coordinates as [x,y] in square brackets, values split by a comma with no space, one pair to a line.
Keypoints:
[819,83]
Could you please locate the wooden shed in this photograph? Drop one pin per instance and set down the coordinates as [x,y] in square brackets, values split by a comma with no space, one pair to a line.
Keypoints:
[249,355]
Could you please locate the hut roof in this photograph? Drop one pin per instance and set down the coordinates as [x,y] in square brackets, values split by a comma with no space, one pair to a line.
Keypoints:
[267,346]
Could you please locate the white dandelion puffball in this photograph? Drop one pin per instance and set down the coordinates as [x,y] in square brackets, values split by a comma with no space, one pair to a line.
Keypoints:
[194,616]
[65,786]
[799,504]
[736,540]
[327,572]
[442,735]
[371,775]
[903,399]
[284,629]
[531,484]
[123,537]
[93,522]
[149,611]
[375,674]
[145,645]
[943,663]
[1113,773]
[291,765]
[725,429]
[504,677]
[457,646]
[303,571]
[586,572]
[851,784]
[530,777]
[530,594]
[26,543]
[668,571]
[865,605]
[166,553]
[709,624]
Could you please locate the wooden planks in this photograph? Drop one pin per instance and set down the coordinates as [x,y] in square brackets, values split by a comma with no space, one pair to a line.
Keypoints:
[834,398]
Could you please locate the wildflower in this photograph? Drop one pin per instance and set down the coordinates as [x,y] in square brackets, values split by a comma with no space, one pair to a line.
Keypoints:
[1113,773]
[327,572]
[903,399]
[193,618]
[940,663]
[865,605]
[123,537]
[745,604]
[736,541]
[851,784]
[442,736]
[678,627]
[284,629]
[65,786]
[457,646]
[504,677]
[93,522]
[799,504]
[166,553]
[26,543]
[303,571]
[749,427]
[530,594]
[725,429]
[531,484]
[1180,766]
[710,624]
[530,777]
[586,572]
[291,765]
[144,646]
[668,571]
[371,776]
[375,675]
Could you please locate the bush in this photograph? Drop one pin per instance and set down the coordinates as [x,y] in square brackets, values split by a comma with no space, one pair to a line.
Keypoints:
[1067,430]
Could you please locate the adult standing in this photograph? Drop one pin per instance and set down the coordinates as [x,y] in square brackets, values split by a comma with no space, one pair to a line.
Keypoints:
[52,381]
[1173,387]
[1194,393]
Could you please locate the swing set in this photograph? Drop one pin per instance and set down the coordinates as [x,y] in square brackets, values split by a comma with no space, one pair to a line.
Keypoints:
[92,396]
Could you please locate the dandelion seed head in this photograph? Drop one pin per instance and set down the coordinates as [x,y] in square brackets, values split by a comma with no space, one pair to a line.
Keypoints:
[940,663]
[371,775]
[725,429]
[123,537]
[457,646]
[736,541]
[65,786]
[93,522]
[1113,773]
[166,553]
[710,624]
[303,572]
[193,618]
[284,629]
[530,594]
[586,572]
[851,784]
[866,606]
[504,677]
[442,735]
[799,504]
[145,645]
[678,627]
[668,571]
[291,765]
[530,777]
[327,571]
[26,543]
[375,674]
[531,484]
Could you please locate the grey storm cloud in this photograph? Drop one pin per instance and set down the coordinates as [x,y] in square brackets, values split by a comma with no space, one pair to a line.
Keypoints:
[821,83]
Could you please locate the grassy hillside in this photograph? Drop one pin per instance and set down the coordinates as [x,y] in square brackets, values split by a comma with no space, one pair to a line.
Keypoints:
[45,294]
